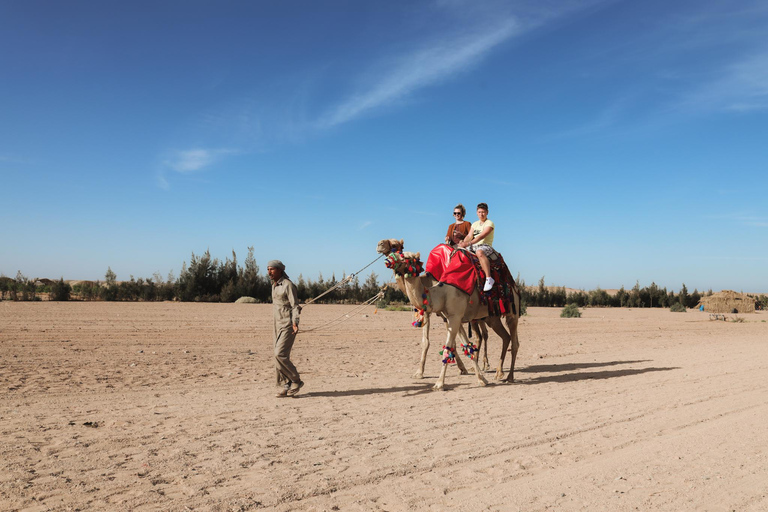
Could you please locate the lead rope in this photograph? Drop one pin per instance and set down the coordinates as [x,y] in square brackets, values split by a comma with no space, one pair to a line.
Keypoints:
[341,283]
[347,316]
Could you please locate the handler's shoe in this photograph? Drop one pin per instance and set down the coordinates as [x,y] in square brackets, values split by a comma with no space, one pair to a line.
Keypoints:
[283,392]
[295,387]
[488,284]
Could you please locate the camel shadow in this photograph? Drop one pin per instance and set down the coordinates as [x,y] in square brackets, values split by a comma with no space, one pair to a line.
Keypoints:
[610,374]
[569,367]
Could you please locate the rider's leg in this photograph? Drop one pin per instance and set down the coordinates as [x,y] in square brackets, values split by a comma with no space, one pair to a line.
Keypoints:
[485,264]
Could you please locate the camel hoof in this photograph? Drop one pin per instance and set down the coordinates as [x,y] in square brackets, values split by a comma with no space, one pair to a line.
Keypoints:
[464,372]
[418,375]
[482,383]
[437,387]
[499,375]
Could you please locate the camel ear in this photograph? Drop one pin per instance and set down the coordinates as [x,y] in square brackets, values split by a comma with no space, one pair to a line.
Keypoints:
[402,244]
[418,255]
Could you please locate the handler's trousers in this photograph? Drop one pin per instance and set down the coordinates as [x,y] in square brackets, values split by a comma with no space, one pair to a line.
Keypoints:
[286,371]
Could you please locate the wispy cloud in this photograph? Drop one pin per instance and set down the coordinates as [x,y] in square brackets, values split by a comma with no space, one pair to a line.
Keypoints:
[469,32]
[190,160]
[743,87]
[603,120]
[745,219]
[425,66]
[13,159]
[365,225]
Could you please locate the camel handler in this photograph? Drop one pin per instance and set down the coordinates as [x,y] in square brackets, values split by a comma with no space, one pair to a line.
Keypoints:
[480,240]
[285,314]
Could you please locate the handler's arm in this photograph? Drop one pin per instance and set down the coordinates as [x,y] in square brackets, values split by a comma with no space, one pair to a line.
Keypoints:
[293,299]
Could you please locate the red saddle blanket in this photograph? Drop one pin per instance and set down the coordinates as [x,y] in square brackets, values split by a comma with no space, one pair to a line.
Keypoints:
[462,270]
[456,270]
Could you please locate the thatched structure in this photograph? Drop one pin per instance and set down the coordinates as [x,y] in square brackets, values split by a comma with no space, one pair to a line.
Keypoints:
[246,300]
[726,301]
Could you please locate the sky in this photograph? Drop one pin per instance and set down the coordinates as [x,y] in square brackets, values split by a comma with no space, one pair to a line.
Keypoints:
[615,142]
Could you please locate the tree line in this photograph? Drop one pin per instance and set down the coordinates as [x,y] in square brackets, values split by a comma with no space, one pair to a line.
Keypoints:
[204,279]
[208,279]
[651,296]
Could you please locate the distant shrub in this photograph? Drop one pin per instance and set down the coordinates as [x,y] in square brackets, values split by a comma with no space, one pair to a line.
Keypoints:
[60,291]
[246,300]
[570,311]
[677,308]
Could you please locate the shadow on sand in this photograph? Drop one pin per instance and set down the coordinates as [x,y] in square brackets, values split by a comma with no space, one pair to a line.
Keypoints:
[610,374]
[426,387]
[419,388]
[569,367]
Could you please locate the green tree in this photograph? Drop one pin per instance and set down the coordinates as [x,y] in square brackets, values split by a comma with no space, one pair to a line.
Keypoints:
[370,287]
[110,277]
[61,291]
[542,294]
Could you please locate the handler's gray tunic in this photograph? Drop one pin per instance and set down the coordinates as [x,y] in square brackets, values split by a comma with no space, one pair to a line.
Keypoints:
[285,313]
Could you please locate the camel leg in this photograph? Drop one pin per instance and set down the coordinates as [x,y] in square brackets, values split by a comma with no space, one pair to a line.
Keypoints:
[480,378]
[483,335]
[454,324]
[459,362]
[424,347]
[481,340]
[498,328]
[512,325]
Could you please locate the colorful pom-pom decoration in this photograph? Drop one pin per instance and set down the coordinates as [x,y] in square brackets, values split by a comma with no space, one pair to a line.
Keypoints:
[448,355]
[470,350]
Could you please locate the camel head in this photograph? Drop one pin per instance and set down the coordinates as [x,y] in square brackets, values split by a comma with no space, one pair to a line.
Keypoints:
[389,246]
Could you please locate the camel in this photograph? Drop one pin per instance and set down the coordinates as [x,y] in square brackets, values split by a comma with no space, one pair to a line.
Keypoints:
[456,307]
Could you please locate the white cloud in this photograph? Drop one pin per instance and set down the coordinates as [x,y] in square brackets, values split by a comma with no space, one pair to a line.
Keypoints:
[426,66]
[742,88]
[190,160]
[745,219]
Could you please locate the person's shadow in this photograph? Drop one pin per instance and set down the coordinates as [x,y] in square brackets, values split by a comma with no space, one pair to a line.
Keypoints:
[417,388]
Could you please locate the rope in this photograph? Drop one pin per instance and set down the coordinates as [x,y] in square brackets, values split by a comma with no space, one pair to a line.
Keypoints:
[341,283]
[346,316]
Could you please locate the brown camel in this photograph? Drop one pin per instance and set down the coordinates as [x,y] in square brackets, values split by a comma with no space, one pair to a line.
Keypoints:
[456,307]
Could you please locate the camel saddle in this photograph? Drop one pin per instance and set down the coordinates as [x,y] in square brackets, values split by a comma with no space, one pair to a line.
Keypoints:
[461,268]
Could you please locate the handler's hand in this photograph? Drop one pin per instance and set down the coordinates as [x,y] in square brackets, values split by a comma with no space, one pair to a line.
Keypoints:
[295,328]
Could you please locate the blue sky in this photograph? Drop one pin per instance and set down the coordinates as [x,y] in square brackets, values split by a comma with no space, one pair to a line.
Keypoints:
[614,141]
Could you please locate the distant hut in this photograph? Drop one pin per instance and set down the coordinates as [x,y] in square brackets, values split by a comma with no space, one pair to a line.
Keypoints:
[726,301]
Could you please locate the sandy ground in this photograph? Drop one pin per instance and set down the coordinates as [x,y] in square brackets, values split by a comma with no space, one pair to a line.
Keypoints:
[111,406]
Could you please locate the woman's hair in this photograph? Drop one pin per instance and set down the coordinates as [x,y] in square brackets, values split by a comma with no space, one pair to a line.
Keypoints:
[483,206]
[461,207]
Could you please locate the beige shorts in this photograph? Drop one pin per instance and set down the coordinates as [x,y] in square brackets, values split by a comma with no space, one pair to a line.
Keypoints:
[485,249]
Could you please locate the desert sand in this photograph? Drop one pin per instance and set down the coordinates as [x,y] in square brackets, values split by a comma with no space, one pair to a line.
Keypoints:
[168,406]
